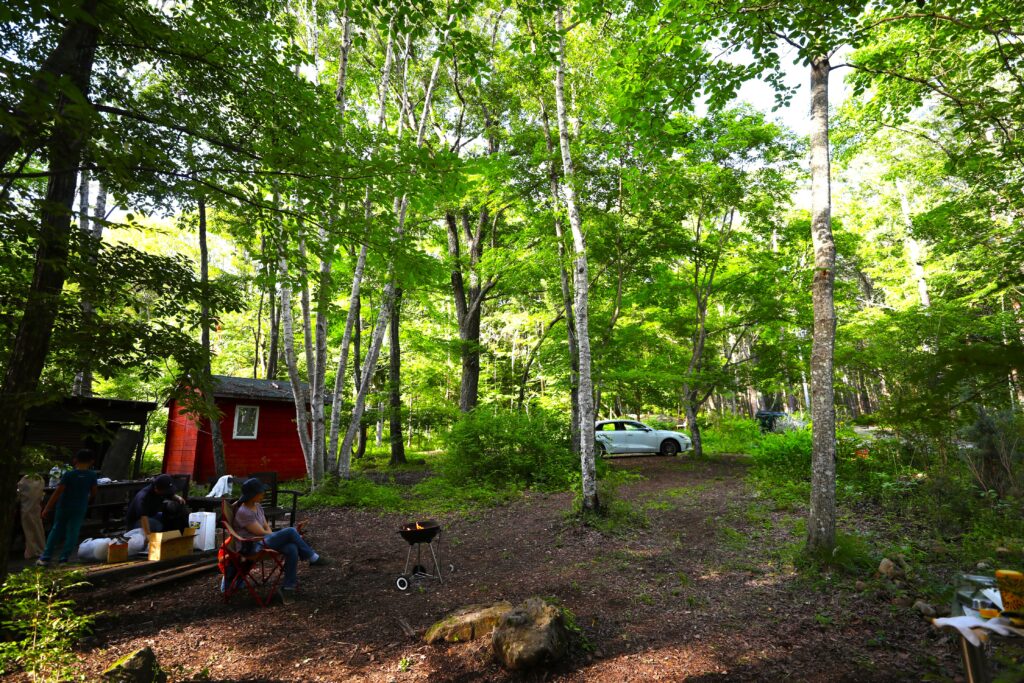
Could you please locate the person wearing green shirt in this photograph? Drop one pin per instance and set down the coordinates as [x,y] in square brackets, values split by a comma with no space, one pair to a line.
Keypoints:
[70,501]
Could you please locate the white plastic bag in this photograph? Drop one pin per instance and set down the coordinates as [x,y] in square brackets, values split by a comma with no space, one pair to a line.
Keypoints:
[93,550]
[85,550]
[99,549]
[136,542]
[205,524]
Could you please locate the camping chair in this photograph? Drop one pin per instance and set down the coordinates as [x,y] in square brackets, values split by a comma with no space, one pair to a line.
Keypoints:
[260,572]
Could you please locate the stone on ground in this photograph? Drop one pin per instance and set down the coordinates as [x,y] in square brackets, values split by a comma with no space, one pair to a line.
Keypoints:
[925,609]
[532,634]
[468,623]
[139,667]
[889,569]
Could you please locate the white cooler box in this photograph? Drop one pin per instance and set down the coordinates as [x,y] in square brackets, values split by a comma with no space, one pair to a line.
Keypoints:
[205,524]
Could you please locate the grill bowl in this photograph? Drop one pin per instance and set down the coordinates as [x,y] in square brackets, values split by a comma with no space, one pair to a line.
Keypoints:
[424,535]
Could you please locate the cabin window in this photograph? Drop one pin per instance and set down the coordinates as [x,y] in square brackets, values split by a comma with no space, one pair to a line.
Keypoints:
[247,421]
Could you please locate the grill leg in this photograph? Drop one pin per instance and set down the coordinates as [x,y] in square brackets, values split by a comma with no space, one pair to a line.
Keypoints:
[437,565]
[407,556]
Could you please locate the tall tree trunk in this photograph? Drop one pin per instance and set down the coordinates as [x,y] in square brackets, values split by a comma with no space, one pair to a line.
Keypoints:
[369,364]
[389,290]
[357,339]
[219,463]
[468,304]
[83,378]
[395,384]
[821,523]
[32,340]
[27,120]
[581,282]
[692,405]
[299,390]
[567,296]
[351,325]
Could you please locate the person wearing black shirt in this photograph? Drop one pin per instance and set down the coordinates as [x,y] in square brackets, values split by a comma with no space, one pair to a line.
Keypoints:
[153,501]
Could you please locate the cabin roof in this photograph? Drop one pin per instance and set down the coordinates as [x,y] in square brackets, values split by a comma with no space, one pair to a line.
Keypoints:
[254,389]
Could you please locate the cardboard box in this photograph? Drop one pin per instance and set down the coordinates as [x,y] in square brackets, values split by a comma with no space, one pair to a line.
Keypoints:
[169,545]
[117,552]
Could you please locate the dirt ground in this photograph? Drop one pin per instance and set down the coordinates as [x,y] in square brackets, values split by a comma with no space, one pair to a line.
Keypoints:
[701,594]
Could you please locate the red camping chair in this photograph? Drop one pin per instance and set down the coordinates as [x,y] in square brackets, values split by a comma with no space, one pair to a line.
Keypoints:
[261,572]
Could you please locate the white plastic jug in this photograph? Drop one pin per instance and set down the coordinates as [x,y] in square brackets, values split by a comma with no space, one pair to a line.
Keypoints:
[205,524]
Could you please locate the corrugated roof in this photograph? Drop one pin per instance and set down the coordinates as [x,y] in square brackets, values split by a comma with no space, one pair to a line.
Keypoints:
[262,389]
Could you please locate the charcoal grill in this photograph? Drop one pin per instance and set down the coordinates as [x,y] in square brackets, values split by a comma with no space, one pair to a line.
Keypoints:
[418,534]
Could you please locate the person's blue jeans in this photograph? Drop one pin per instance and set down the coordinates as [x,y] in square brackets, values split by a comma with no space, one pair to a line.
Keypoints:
[66,525]
[290,543]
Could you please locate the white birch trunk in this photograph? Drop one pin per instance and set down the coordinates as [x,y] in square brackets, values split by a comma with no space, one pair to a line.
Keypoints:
[345,457]
[78,388]
[291,361]
[344,470]
[581,282]
[821,523]
[915,254]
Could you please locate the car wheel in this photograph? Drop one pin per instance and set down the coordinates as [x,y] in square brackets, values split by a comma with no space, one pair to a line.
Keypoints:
[600,451]
[669,447]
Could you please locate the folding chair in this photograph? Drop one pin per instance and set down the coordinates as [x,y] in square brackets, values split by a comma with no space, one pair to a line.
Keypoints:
[260,572]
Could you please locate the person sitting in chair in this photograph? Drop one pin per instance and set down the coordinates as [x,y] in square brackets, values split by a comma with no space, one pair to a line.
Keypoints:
[155,502]
[251,521]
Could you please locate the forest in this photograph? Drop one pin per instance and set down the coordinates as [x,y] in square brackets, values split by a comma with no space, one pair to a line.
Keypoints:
[463,233]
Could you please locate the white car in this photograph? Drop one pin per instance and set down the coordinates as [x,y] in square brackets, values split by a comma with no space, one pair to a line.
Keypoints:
[628,436]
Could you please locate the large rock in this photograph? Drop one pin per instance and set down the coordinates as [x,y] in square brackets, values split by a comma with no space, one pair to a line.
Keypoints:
[468,623]
[530,635]
[139,667]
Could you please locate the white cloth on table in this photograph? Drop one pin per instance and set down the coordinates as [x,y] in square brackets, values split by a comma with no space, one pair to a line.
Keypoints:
[966,625]
[221,488]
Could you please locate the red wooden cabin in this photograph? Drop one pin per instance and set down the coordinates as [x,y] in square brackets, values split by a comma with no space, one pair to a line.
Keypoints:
[258,424]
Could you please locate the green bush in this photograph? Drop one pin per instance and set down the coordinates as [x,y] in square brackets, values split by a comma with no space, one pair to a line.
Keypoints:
[510,448]
[851,555]
[731,434]
[787,454]
[40,626]
[356,492]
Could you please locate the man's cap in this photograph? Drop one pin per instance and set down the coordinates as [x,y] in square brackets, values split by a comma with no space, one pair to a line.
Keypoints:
[251,488]
[164,482]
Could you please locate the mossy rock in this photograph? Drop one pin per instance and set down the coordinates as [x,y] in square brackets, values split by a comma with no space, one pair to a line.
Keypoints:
[138,667]
[531,635]
[468,623]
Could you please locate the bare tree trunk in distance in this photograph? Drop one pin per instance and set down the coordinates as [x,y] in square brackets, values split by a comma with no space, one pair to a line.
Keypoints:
[913,247]
[216,437]
[394,384]
[821,523]
[582,283]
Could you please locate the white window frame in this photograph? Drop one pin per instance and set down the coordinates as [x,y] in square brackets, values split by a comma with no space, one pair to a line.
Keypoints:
[255,428]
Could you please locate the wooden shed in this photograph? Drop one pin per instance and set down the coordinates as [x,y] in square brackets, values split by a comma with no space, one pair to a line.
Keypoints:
[112,428]
[258,426]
